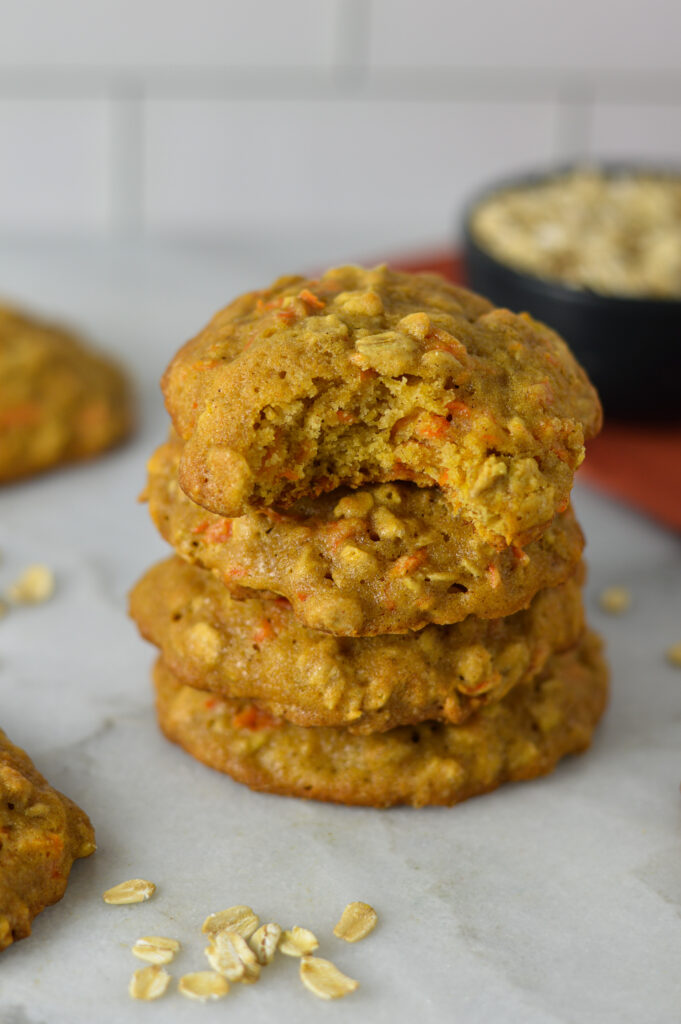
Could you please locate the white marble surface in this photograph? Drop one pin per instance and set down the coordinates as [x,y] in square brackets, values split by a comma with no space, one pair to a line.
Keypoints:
[553,901]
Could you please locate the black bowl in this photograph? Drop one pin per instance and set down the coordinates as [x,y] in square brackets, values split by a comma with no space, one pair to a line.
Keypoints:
[630,347]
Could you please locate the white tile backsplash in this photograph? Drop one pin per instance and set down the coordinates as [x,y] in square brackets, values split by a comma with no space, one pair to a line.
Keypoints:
[162,115]
[212,166]
[148,34]
[54,165]
[593,35]
[641,131]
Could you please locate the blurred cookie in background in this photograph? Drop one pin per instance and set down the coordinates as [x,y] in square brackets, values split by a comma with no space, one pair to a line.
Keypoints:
[60,401]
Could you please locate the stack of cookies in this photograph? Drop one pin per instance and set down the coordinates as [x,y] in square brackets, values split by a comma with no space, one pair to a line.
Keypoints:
[376,592]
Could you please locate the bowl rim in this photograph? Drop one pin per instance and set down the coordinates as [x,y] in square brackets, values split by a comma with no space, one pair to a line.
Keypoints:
[553,287]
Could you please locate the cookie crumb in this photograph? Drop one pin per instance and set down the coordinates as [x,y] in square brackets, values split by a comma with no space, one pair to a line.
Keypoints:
[135,890]
[324,980]
[35,585]
[357,920]
[615,600]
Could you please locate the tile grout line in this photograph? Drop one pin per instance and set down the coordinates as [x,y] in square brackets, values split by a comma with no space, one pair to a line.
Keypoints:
[349,77]
[352,49]
[126,160]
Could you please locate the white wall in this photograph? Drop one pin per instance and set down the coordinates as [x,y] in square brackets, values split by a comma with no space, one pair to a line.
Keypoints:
[212,116]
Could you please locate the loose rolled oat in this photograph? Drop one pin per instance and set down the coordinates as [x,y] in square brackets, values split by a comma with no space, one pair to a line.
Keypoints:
[230,955]
[203,985]
[674,655]
[264,942]
[135,890]
[35,585]
[357,920]
[239,919]
[324,980]
[615,600]
[149,983]
[155,949]
[298,942]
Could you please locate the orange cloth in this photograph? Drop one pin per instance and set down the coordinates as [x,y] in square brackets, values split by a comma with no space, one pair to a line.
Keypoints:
[639,463]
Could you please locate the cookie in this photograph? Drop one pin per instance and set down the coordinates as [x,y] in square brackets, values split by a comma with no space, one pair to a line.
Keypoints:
[371,376]
[59,400]
[256,649]
[382,559]
[523,736]
[41,834]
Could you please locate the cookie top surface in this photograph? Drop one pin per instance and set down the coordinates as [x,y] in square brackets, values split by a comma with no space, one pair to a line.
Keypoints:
[42,832]
[382,559]
[256,649]
[59,400]
[368,376]
[520,737]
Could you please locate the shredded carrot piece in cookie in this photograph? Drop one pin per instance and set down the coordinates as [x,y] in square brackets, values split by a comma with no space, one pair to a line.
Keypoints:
[519,554]
[311,300]
[447,343]
[433,426]
[254,718]
[458,408]
[340,531]
[494,576]
[26,414]
[409,563]
[263,632]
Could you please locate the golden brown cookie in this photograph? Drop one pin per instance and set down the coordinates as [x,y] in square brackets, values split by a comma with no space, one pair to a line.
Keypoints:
[41,834]
[523,736]
[59,400]
[368,376]
[257,650]
[383,559]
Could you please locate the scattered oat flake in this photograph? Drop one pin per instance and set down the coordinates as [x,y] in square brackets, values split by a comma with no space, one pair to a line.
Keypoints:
[357,920]
[136,890]
[34,585]
[615,600]
[674,655]
[264,942]
[149,983]
[156,949]
[239,919]
[230,955]
[203,985]
[324,979]
[298,942]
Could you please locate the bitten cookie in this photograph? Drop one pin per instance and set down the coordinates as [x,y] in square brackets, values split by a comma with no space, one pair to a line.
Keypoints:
[368,376]
[41,834]
[256,649]
[59,400]
[383,559]
[523,736]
